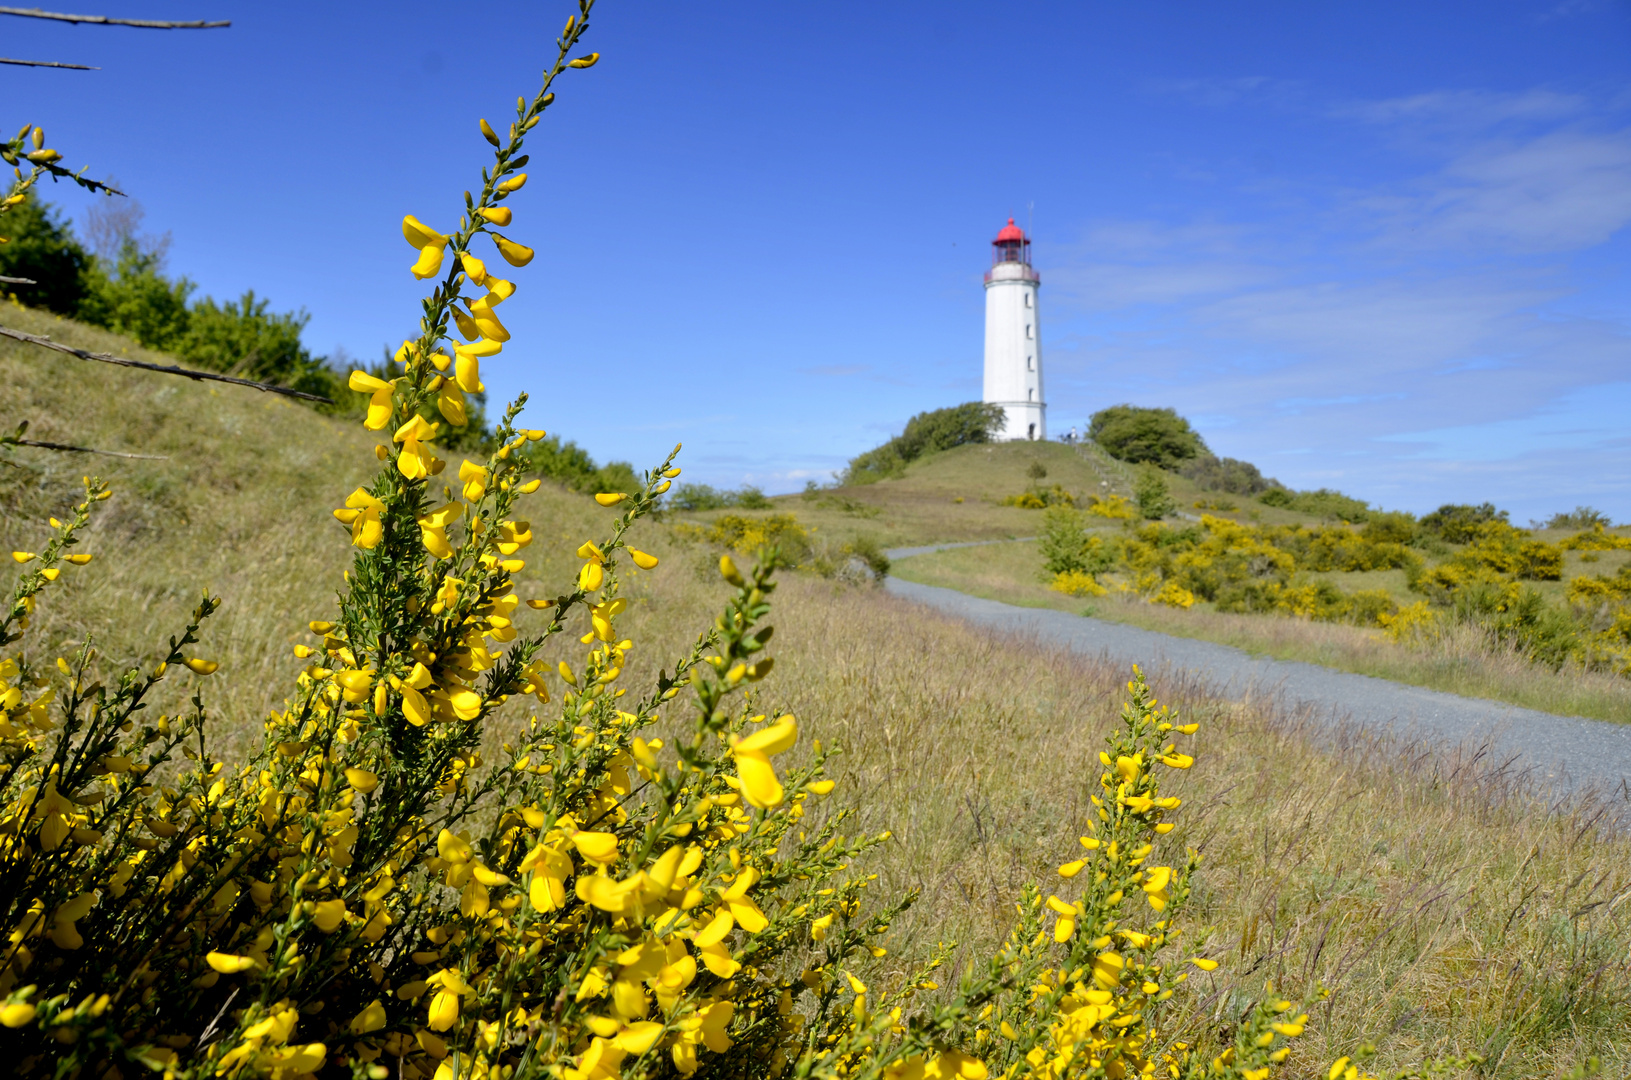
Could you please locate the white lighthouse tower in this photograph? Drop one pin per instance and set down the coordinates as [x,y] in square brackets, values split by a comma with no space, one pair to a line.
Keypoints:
[1013,339]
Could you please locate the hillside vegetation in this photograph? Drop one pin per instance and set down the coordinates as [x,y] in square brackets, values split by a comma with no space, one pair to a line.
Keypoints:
[1425,893]
[1460,601]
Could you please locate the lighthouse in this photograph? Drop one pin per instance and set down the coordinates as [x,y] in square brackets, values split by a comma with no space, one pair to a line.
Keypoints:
[1013,340]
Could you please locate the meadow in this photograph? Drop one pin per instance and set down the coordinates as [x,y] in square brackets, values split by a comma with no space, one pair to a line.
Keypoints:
[1449,907]
[958,495]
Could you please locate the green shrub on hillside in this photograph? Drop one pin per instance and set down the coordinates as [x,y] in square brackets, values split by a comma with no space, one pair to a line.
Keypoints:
[1150,492]
[40,246]
[133,296]
[1457,523]
[1067,547]
[926,433]
[1229,475]
[134,299]
[1581,517]
[1324,503]
[1138,435]
[1391,527]
[705,497]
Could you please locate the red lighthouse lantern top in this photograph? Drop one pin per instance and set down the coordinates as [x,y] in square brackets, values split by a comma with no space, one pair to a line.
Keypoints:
[1011,245]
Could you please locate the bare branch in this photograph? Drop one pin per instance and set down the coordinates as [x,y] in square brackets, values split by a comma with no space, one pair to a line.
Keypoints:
[104,20]
[47,63]
[8,441]
[4,280]
[106,358]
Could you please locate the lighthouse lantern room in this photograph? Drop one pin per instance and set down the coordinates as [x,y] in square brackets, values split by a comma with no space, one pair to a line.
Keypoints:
[1013,340]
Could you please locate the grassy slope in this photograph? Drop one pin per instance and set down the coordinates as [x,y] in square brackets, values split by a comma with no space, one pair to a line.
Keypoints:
[1434,900]
[920,508]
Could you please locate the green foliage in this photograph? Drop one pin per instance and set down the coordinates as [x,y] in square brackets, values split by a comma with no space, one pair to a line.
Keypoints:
[1390,527]
[1229,475]
[1324,503]
[926,433]
[137,300]
[1581,517]
[1457,523]
[1152,495]
[134,297]
[1068,547]
[696,497]
[245,338]
[1139,435]
[1036,470]
[570,465]
[41,247]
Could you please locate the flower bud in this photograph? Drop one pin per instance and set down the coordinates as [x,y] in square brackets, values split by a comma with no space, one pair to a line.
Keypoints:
[488,133]
[514,254]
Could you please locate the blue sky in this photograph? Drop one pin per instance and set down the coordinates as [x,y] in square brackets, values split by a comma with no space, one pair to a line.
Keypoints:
[1375,246]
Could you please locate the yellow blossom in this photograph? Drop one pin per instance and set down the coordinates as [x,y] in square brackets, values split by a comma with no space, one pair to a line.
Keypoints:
[759,784]
[380,405]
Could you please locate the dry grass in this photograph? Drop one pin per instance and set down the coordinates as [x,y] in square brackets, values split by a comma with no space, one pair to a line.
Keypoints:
[1464,660]
[1446,909]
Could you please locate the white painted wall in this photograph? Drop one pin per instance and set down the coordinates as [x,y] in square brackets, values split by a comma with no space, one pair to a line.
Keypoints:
[1013,350]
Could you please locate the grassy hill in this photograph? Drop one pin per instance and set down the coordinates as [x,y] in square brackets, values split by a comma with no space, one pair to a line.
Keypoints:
[957,495]
[1435,901]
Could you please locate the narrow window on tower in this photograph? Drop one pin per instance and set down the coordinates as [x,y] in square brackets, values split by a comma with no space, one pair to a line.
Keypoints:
[1030,395]
[1030,363]
[1027,331]
[1027,299]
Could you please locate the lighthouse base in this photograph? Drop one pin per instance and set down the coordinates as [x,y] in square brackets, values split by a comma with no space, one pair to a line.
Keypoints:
[1022,421]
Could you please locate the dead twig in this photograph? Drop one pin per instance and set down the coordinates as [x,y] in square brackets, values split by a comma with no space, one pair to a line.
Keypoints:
[105,20]
[47,63]
[107,358]
[4,280]
[81,449]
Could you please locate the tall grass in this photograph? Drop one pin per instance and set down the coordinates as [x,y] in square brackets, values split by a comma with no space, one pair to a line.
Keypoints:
[1448,908]
[1445,903]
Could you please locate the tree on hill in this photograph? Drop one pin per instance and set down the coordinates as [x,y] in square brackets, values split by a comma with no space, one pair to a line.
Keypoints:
[926,433]
[1145,436]
[40,246]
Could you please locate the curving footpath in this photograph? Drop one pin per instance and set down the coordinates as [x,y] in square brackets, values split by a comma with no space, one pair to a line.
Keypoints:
[1563,754]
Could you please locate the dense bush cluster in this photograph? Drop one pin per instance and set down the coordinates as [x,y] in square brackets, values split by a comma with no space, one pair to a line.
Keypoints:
[1458,523]
[926,433]
[1269,569]
[1323,503]
[1145,436]
[704,497]
[1228,475]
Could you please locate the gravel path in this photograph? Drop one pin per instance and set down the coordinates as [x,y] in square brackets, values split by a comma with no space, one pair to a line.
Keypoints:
[1565,753]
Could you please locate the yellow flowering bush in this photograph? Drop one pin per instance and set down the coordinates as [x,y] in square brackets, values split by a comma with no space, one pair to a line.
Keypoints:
[364,895]
[1076,583]
[1596,538]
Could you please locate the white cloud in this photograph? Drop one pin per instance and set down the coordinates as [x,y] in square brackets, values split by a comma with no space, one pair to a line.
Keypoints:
[1562,191]
[1467,110]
